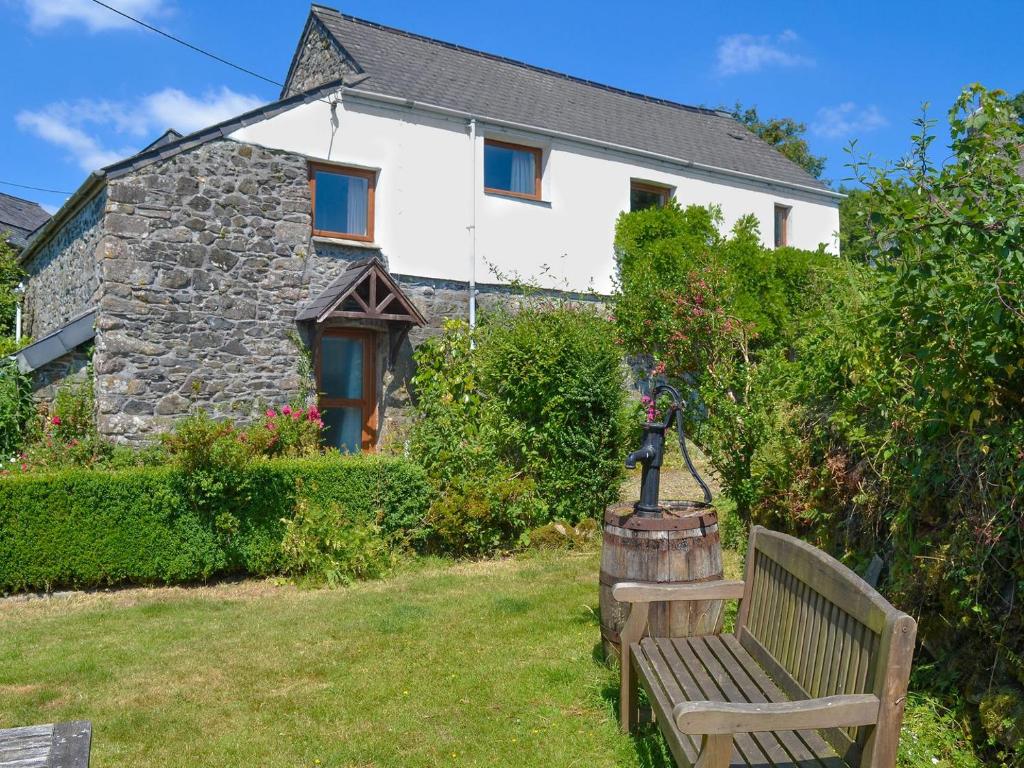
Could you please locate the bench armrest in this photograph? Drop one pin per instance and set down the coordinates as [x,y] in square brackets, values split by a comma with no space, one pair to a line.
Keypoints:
[721,717]
[651,592]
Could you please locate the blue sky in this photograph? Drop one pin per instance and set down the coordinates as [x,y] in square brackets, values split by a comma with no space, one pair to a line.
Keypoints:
[83,88]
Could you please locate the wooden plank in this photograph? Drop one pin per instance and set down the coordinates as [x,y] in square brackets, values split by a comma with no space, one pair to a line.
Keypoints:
[890,684]
[743,616]
[650,592]
[682,747]
[726,680]
[738,717]
[71,745]
[684,661]
[814,741]
[738,665]
[837,738]
[830,577]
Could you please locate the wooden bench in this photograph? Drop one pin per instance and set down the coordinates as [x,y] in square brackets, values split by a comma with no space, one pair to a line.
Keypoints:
[815,675]
[55,745]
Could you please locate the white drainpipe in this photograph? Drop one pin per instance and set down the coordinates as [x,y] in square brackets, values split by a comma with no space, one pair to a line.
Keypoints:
[19,291]
[472,231]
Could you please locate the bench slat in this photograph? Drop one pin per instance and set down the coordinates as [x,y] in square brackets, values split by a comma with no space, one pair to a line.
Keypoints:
[651,674]
[685,662]
[717,668]
[771,743]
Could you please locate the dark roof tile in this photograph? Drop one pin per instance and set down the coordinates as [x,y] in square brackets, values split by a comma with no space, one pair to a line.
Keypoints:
[409,66]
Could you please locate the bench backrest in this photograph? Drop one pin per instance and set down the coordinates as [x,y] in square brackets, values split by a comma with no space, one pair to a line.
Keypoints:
[821,630]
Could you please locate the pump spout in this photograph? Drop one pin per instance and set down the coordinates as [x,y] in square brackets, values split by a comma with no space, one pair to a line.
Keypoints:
[643,455]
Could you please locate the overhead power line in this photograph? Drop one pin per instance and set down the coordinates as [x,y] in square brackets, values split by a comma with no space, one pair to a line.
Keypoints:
[187,44]
[37,189]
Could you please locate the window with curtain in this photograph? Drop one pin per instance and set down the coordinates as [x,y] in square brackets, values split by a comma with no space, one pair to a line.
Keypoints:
[347,385]
[342,201]
[511,169]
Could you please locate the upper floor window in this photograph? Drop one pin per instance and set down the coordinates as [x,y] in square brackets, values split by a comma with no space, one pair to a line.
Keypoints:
[512,169]
[342,201]
[782,225]
[644,195]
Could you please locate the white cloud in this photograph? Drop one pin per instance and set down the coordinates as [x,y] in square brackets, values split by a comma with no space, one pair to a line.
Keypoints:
[96,133]
[847,120]
[44,15]
[174,108]
[744,52]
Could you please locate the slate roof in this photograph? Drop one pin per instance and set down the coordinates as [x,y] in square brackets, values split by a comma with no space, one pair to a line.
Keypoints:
[409,66]
[20,217]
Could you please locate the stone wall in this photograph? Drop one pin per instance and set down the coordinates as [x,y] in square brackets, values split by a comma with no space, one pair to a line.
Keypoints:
[318,61]
[206,261]
[63,274]
[52,376]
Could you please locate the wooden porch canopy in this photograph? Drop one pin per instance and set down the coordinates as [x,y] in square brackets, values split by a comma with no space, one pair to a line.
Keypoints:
[364,291]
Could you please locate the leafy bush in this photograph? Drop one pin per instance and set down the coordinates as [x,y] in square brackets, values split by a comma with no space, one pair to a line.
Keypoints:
[91,528]
[484,514]
[724,318]
[556,378]
[518,423]
[15,408]
[324,544]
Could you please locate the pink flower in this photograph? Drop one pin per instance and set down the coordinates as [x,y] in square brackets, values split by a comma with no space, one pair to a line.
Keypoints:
[313,414]
[271,413]
[24,467]
[55,421]
[286,410]
[271,426]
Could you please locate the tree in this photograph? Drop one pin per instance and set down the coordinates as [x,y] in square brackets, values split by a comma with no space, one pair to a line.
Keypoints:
[10,275]
[785,134]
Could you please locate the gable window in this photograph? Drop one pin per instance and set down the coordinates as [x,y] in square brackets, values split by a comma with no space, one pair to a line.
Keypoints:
[512,169]
[342,201]
[643,195]
[782,225]
[345,380]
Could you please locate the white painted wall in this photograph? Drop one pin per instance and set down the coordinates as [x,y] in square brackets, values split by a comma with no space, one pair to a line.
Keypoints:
[426,190]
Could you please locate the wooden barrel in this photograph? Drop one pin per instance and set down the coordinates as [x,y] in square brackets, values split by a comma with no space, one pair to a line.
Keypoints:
[681,546]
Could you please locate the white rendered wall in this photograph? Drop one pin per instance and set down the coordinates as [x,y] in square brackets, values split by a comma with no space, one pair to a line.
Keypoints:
[426,188]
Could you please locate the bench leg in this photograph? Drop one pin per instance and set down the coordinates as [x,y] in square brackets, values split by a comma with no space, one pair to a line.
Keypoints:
[632,631]
[629,692]
[715,751]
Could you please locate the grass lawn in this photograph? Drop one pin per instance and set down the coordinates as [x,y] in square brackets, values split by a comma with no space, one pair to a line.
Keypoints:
[478,664]
[482,664]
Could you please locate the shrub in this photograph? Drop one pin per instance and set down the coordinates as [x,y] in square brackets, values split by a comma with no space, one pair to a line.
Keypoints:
[483,515]
[324,544]
[15,408]
[92,528]
[556,377]
[531,418]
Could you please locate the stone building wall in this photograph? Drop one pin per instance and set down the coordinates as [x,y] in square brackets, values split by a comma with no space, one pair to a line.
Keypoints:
[49,378]
[319,61]
[208,255]
[63,278]
[203,260]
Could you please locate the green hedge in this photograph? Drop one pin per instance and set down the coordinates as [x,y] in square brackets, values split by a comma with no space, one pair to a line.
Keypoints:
[89,528]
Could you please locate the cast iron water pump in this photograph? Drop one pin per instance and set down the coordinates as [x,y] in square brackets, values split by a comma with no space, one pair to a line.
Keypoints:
[651,454]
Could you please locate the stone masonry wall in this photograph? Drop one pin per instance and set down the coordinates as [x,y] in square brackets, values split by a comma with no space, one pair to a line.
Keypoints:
[63,275]
[318,62]
[208,258]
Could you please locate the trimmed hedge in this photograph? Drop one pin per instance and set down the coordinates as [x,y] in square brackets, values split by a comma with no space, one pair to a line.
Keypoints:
[88,528]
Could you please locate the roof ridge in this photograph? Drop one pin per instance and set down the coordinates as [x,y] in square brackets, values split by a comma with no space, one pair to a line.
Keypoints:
[525,65]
